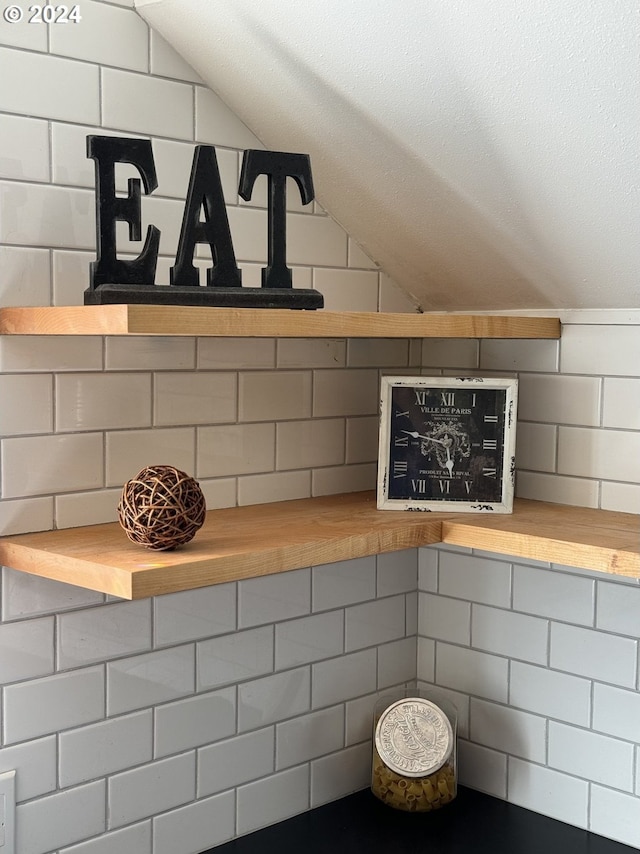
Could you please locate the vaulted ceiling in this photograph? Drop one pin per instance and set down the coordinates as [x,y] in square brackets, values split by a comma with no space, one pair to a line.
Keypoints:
[484,153]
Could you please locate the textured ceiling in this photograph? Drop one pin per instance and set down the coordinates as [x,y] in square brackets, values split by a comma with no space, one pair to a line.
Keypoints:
[485,154]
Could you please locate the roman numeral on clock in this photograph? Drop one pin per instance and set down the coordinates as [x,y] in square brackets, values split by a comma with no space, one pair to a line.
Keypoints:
[489,444]
[401,441]
[448,398]
[489,472]
[490,419]
[400,468]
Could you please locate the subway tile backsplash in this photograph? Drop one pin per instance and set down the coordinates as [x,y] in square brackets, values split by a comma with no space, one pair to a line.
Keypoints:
[128,103]
[582,352]
[25,149]
[548,792]
[155,677]
[59,819]
[210,724]
[550,692]
[104,748]
[46,82]
[591,756]
[32,404]
[93,402]
[549,722]
[46,215]
[169,726]
[42,706]
[568,718]
[64,463]
[26,278]
[195,721]
[117,630]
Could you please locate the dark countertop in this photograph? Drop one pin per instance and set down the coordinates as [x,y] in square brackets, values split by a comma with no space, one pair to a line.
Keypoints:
[473,824]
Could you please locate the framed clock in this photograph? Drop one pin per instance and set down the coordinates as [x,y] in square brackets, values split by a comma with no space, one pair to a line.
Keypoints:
[447,444]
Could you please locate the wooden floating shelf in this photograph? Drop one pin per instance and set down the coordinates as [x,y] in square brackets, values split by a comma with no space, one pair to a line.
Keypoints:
[234,543]
[246,542]
[265,323]
[602,540]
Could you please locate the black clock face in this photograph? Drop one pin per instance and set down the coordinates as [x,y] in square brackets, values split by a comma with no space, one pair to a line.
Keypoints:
[446,444]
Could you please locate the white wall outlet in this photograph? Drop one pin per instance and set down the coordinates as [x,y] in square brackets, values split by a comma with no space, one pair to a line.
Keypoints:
[8,812]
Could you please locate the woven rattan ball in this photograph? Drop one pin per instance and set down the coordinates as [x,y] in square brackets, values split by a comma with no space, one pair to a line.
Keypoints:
[161,508]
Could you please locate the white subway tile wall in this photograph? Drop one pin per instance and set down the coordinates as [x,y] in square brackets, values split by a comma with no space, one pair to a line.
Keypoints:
[46,82]
[38,763]
[554,715]
[110,36]
[204,823]
[412,613]
[150,789]
[236,657]
[396,661]
[26,276]
[106,747]
[263,488]
[340,774]
[141,681]
[482,769]
[41,706]
[203,715]
[548,792]
[51,822]
[195,721]
[104,633]
[194,614]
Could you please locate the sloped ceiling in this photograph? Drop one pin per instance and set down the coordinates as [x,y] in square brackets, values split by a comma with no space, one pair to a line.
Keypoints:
[485,153]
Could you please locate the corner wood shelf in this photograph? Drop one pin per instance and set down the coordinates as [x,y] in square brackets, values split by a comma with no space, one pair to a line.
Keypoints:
[247,542]
[265,323]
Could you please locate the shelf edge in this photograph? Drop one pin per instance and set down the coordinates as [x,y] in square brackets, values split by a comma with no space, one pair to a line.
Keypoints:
[155,320]
[336,528]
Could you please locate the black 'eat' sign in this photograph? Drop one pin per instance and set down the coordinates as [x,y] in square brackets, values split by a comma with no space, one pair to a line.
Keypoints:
[113,280]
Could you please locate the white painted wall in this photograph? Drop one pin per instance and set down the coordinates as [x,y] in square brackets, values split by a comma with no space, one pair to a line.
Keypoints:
[485,155]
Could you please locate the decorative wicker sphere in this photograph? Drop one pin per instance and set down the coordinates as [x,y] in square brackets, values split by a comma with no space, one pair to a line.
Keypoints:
[161,508]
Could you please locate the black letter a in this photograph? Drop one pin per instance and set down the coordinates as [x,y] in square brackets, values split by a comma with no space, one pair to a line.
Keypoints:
[205,190]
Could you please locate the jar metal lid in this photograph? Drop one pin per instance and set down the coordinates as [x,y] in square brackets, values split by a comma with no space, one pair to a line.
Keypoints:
[414,737]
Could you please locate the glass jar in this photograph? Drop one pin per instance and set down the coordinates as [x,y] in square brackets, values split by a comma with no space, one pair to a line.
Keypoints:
[414,764]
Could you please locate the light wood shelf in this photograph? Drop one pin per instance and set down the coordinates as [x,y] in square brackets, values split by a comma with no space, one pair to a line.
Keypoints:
[246,542]
[234,543]
[265,323]
[602,540]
